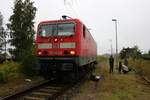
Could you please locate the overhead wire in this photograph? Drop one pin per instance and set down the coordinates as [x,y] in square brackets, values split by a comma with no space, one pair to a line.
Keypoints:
[69,5]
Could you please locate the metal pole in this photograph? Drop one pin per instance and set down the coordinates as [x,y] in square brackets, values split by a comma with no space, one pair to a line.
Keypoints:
[116,43]
[111,51]
[115,20]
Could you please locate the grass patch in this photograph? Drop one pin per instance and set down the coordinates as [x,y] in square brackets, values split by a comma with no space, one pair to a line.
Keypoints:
[141,66]
[102,58]
[8,69]
[114,86]
[11,69]
[122,86]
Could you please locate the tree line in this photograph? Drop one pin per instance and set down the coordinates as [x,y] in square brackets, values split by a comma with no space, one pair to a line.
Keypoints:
[134,52]
[20,29]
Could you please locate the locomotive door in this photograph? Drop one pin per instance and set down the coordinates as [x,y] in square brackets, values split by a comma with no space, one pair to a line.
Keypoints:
[55,40]
[55,46]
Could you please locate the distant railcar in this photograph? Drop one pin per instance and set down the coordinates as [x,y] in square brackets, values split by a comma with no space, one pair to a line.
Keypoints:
[64,48]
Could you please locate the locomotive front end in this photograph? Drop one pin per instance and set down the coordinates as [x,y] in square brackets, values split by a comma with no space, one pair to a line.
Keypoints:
[57,46]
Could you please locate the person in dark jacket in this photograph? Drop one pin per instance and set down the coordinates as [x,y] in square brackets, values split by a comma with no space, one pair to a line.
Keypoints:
[120,67]
[111,64]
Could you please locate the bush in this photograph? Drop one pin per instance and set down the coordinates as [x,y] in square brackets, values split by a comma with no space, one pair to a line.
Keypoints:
[3,77]
[8,69]
[13,69]
[102,58]
[28,65]
[141,66]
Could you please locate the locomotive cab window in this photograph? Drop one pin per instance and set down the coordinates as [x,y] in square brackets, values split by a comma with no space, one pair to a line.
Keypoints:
[61,29]
[47,30]
[66,29]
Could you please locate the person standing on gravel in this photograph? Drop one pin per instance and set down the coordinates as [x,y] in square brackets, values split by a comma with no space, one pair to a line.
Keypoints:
[111,64]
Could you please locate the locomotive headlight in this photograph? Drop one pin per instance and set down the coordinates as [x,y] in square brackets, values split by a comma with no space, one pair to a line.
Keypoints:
[55,40]
[39,53]
[72,52]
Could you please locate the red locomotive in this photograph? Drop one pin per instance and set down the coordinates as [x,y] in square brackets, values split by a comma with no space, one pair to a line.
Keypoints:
[64,48]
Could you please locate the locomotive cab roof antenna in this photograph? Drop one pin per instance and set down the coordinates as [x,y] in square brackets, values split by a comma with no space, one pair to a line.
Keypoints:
[65,17]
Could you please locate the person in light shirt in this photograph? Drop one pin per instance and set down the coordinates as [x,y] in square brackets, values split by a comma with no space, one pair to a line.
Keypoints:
[125,69]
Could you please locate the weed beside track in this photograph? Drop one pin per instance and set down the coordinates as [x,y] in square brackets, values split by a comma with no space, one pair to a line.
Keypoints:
[115,86]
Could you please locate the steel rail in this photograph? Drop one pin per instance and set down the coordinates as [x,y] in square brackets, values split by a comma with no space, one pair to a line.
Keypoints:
[16,94]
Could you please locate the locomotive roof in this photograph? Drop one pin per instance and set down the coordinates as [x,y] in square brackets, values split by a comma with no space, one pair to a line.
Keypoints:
[61,20]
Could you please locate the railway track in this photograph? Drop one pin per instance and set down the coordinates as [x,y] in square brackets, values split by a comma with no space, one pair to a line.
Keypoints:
[43,91]
[143,77]
[46,90]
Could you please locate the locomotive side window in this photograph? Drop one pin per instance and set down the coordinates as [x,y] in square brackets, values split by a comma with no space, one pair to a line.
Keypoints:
[84,31]
[66,29]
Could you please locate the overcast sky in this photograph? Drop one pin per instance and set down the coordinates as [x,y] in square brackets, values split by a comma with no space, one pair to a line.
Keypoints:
[133,19]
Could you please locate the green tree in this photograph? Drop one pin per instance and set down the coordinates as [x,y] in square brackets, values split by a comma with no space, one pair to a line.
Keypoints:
[146,56]
[1,19]
[1,32]
[3,35]
[125,53]
[149,52]
[136,54]
[133,52]
[22,28]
